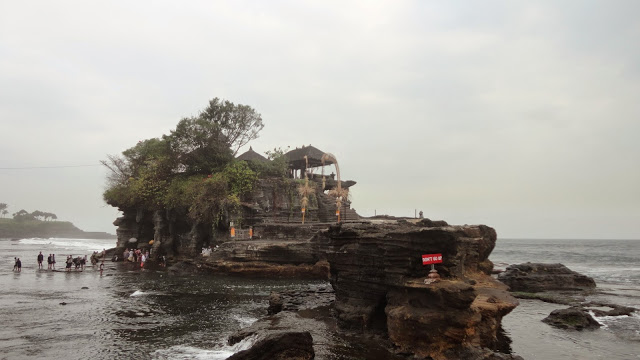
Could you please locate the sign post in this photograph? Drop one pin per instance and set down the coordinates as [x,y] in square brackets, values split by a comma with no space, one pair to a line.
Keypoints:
[432,259]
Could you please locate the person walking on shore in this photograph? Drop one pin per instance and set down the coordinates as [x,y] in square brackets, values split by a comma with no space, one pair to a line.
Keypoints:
[40,258]
[53,261]
[49,262]
[69,262]
[15,263]
[19,265]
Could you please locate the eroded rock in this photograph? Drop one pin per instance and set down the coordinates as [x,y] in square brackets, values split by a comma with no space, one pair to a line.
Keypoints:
[537,277]
[572,318]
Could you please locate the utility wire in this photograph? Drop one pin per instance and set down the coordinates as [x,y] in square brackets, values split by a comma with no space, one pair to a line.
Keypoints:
[46,167]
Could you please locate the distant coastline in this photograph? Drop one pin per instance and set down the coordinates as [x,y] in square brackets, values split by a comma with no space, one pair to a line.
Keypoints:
[10,228]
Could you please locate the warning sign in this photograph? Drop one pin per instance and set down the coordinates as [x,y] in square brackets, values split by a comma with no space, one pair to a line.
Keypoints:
[431,259]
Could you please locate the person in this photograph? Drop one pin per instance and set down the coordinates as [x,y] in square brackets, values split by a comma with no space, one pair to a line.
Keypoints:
[83,262]
[69,262]
[53,261]
[15,263]
[19,265]
[40,258]
[421,214]
[143,258]
[49,262]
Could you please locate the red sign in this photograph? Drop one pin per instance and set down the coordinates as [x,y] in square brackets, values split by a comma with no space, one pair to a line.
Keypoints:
[431,259]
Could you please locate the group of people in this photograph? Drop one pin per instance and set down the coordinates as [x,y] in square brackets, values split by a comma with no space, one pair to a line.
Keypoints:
[138,256]
[78,262]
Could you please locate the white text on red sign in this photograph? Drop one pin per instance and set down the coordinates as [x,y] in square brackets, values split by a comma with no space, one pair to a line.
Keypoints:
[431,259]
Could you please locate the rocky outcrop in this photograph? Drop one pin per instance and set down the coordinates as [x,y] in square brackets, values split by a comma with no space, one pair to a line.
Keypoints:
[280,346]
[537,277]
[572,318]
[378,277]
[279,250]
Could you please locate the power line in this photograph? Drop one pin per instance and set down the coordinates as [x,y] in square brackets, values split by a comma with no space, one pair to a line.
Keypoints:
[46,167]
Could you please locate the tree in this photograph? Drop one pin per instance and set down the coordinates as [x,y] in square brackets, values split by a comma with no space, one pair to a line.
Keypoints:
[3,209]
[23,215]
[239,124]
[192,168]
[4,212]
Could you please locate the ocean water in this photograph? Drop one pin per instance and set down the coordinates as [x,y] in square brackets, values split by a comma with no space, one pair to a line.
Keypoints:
[152,314]
[614,265]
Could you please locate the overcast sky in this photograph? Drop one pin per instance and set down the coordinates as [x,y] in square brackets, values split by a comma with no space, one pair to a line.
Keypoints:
[524,116]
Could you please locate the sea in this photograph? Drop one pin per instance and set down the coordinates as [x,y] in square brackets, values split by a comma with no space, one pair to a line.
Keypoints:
[127,312]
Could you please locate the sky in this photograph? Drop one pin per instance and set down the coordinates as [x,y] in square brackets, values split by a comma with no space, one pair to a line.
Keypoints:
[523,116]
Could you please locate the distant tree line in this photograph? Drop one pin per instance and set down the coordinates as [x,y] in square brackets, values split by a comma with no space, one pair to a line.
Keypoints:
[24,215]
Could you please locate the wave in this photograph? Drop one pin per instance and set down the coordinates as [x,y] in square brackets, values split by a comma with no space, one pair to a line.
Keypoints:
[244,321]
[190,352]
[138,293]
[66,243]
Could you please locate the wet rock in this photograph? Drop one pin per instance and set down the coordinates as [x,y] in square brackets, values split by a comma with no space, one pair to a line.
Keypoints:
[537,277]
[275,303]
[572,318]
[282,346]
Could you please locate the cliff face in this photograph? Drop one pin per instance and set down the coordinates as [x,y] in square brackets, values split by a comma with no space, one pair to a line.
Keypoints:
[378,276]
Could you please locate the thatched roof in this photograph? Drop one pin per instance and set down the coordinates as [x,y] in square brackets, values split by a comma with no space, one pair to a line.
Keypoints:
[251,155]
[296,157]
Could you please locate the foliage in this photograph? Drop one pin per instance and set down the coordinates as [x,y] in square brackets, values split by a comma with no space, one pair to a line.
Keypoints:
[276,167]
[238,124]
[24,215]
[3,209]
[241,178]
[192,168]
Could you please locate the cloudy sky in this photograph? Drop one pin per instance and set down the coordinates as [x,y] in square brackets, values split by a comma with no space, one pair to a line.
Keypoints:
[524,116]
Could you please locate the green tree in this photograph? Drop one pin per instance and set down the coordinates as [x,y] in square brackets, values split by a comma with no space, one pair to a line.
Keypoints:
[3,209]
[192,168]
[23,215]
[238,124]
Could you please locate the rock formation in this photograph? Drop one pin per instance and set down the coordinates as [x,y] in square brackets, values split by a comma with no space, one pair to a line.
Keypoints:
[536,277]
[378,277]
[572,318]
[280,346]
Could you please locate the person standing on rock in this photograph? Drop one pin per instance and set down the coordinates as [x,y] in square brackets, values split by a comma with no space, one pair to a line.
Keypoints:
[40,258]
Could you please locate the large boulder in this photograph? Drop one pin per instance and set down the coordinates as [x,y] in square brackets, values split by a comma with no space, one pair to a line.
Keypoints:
[280,346]
[537,277]
[572,318]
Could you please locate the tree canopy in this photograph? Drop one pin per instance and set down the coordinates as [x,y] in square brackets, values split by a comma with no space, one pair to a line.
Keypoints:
[191,168]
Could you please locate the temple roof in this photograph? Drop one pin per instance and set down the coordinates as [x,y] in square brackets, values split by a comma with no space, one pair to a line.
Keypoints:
[251,155]
[296,157]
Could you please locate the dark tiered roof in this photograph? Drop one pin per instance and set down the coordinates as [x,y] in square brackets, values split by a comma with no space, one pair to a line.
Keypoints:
[296,157]
[251,155]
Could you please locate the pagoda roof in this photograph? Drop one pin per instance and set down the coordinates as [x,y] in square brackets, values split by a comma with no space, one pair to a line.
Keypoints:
[296,160]
[251,155]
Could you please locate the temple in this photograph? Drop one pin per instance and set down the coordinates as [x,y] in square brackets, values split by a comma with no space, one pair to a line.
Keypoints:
[281,200]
